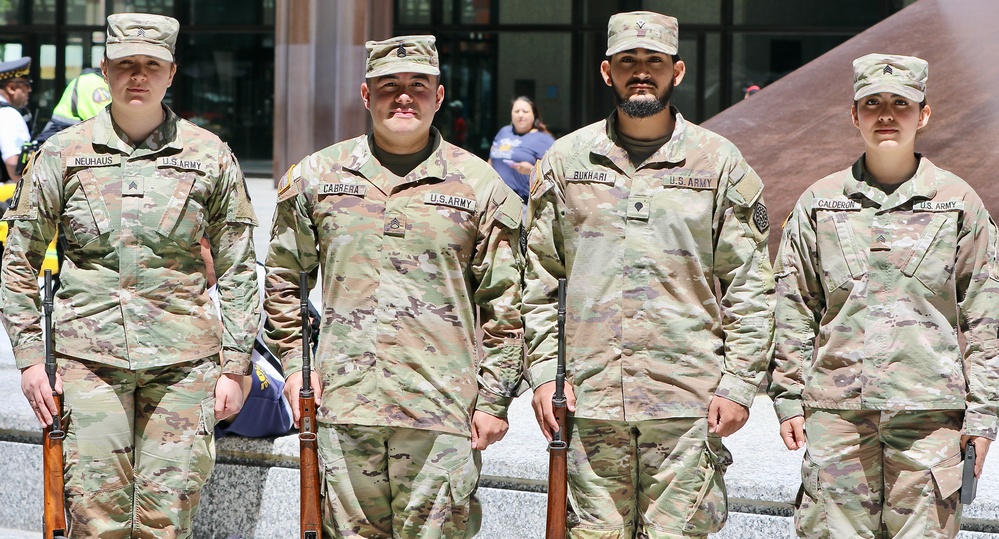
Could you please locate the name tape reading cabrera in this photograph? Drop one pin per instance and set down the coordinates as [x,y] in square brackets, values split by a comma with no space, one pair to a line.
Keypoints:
[354,189]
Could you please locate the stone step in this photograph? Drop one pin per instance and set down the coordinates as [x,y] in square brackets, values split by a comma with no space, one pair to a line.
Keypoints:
[254,490]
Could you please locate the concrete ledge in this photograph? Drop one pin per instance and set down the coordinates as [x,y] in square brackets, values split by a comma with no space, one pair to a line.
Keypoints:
[254,490]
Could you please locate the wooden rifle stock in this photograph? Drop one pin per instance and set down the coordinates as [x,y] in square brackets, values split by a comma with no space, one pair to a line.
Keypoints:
[311,513]
[53,488]
[558,447]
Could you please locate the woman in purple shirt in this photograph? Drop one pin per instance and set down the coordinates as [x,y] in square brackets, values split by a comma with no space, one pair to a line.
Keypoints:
[518,146]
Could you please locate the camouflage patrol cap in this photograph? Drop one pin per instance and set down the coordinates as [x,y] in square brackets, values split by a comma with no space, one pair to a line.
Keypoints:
[642,30]
[141,33]
[901,75]
[403,54]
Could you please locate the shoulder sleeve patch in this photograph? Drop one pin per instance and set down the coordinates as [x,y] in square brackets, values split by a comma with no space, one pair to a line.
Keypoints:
[24,202]
[747,190]
[240,207]
[289,185]
[541,181]
[508,213]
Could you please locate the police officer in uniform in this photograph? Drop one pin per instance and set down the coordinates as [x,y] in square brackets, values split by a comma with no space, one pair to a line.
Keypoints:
[647,215]
[880,268]
[145,366]
[15,88]
[411,235]
[84,97]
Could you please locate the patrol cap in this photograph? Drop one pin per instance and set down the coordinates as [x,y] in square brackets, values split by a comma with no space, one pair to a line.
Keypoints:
[141,33]
[901,75]
[403,54]
[642,30]
[15,69]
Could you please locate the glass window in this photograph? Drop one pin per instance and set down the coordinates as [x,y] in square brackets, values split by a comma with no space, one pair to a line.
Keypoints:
[763,58]
[86,12]
[477,11]
[687,12]
[225,84]
[412,11]
[11,51]
[10,11]
[43,11]
[468,68]
[159,7]
[534,12]
[797,13]
[685,94]
[230,12]
[545,78]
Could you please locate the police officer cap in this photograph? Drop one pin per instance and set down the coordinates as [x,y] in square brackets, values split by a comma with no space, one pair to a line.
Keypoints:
[900,75]
[642,30]
[15,69]
[403,54]
[130,34]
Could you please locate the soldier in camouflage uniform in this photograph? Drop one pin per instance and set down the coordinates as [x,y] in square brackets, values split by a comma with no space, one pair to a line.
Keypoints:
[411,235]
[144,363]
[881,265]
[647,215]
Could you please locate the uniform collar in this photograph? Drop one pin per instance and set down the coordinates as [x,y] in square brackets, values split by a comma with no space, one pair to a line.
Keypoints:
[922,185]
[362,161]
[167,135]
[674,151]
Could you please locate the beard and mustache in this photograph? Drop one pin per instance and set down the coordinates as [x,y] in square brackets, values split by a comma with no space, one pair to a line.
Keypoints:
[643,108]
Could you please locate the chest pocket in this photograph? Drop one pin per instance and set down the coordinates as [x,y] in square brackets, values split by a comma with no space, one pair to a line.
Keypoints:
[183,212]
[931,258]
[85,216]
[840,255]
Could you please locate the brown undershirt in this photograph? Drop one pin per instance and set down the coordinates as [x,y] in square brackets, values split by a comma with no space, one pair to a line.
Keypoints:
[640,150]
[401,165]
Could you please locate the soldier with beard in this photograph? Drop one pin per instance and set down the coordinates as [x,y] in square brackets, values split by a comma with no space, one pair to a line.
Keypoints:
[660,228]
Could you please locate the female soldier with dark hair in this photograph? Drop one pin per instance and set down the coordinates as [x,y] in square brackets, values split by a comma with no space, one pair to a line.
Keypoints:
[880,268]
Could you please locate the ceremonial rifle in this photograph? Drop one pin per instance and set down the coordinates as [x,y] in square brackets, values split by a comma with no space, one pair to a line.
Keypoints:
[311,513]
[558,447]
[54,518]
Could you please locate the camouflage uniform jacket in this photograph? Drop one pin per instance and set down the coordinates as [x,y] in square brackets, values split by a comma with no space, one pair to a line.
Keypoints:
[405,262]
[880,285]
[642,248]
[132,281]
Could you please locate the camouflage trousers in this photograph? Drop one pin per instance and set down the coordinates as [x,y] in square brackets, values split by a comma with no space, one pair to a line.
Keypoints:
[652,479]
[386,482]
[879,474]
[138,447]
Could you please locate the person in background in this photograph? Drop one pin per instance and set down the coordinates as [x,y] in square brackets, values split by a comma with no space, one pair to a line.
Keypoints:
[266,411]
[84,97]
[881,267]
[518,146]
[144,363]
[15,88]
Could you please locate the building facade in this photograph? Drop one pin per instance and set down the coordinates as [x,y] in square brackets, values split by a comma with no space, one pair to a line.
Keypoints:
[278,79]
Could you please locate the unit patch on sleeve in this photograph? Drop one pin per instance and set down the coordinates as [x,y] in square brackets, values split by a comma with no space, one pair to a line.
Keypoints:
[760,218]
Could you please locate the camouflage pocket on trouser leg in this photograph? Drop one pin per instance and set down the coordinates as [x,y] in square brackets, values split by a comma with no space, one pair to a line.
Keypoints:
[809,506]
[441,500]
[709,510]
